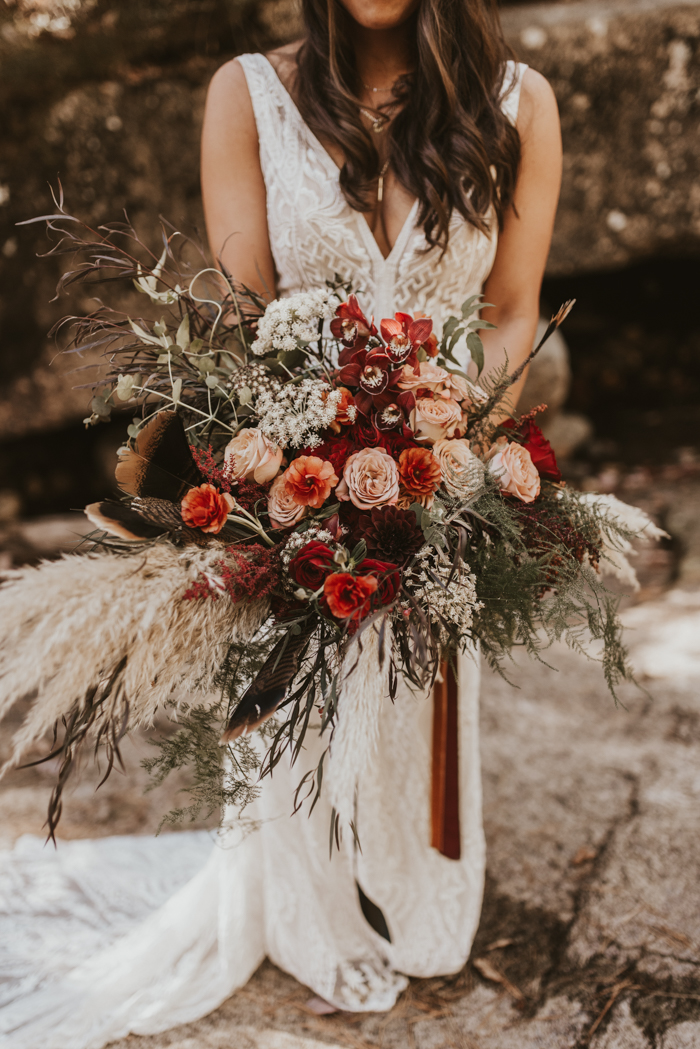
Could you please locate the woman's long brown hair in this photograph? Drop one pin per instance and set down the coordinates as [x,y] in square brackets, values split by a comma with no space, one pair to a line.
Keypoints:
[450,145]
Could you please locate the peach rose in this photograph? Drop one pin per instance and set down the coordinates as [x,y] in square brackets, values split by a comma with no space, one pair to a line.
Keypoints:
[513,468]
[311,480]
[370,478]
[250,454]
[283,508]
[462,472]
[427,376]
[433,419]
[461,389]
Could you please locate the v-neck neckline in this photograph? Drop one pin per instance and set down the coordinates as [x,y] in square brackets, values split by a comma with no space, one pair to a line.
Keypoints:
[368,237]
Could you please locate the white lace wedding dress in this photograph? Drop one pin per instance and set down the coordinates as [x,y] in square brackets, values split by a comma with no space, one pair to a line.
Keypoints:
[138,934]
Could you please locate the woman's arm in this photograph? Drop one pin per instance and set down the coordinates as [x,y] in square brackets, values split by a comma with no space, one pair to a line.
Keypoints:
[514,283]
[233,189]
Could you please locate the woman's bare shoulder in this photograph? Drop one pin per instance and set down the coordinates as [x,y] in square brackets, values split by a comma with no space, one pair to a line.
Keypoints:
[229,105]
[538,104]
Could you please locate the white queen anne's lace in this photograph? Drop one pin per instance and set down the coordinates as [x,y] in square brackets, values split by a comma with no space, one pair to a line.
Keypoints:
[454,601]
[294,415]
[294,318]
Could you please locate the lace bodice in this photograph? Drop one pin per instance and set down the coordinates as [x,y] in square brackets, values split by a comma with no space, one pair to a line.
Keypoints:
[314,233]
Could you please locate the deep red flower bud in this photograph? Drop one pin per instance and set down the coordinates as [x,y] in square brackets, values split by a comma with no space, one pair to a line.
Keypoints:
[311,565]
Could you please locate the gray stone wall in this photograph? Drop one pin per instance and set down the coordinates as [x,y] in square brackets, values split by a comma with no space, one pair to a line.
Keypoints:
[627,80]
[108,96]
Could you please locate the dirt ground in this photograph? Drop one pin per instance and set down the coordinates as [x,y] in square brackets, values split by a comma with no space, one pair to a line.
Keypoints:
[590,932]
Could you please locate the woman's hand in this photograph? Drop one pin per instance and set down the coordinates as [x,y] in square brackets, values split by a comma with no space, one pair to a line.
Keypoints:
[515,280]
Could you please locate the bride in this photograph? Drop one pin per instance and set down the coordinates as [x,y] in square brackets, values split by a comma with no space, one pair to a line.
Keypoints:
[398,146]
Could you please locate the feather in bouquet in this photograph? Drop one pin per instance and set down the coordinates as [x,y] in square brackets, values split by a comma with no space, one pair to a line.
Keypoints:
[310,506]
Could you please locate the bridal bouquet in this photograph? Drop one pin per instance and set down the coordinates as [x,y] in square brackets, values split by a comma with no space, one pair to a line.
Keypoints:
[313,504]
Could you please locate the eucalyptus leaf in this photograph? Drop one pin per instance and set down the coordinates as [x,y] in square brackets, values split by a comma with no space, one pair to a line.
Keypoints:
[196,345]
[212,381]
[418,511]
[245,395]
[475,325]
[125,387]
[476,348]
[183,333]
[177,390]
[160,327]
[100,407]
[133,430]
[470,305]
[205,365]
[165,358]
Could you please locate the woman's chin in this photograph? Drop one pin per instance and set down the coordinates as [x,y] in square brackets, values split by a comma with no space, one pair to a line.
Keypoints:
[380,15]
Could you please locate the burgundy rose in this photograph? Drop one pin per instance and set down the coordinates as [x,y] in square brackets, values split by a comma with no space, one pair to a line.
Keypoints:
[541,451]
[388,579]
[311,565]
[337,450]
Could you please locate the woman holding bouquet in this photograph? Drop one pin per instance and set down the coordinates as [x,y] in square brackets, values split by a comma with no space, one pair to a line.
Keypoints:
[399,146]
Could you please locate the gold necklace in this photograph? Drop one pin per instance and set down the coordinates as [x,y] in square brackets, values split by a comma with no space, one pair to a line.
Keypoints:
[375,90]
[379,120]
[380,183]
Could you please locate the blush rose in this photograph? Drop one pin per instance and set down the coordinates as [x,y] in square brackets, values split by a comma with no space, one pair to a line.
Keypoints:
[283,508]
[462,472]
[370,478]
[432,419]
[427,376]
[513,468]
[251,455]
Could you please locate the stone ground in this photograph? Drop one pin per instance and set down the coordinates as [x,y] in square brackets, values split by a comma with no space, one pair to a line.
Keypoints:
[590,934]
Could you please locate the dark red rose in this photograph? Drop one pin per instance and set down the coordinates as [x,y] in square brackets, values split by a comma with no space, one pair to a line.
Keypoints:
[311,565]
[337,450]
[541,452]
[388,578]
[364,433]
[395,443]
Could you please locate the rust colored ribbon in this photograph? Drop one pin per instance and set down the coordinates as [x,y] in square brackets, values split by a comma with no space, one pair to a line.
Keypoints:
[445,773]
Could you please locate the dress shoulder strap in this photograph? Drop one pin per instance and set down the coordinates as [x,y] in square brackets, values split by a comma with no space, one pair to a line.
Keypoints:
[276,116]
[510,92]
